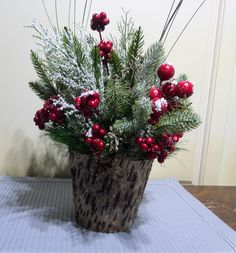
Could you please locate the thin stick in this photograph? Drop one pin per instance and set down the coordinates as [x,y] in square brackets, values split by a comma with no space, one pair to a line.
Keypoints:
[167,18]
[85,7]
[172,18]
[74,14]
[90,6]
[170,26]
[185,28]
[55,3]
[69,13]
[48,17]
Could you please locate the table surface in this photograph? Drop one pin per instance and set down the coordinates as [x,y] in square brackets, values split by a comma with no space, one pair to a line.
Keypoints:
[221,200]
[37,215]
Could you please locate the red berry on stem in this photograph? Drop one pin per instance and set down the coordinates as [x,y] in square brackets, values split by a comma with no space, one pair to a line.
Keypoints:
[184,89]
[103,15]
[100,144]
[144,147]
[169,90]
[139,140]
[95,128]
[102,132]
[155,148]
[155,93]
[149,140]
[77,102]
[165,71]
[88,140]
[152,155]
[93,104]
[96,17]
[105,21]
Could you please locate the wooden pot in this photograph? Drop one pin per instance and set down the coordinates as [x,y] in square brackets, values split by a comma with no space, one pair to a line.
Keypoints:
[107,191]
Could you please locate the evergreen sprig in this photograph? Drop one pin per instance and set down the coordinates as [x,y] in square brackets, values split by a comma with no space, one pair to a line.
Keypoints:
[44,88]
[95,55]
[177,121]
[134,55]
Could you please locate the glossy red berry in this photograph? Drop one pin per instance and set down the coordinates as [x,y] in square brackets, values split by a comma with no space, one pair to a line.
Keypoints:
[88,140]
[155,148]
[152,155]
[77,102]
[103,15]
[165,71]
[169,90]
[155,93]
[95,128]
[102,132]
[139,140]
[100,145]
[149,140]
[144,147]
[184,89]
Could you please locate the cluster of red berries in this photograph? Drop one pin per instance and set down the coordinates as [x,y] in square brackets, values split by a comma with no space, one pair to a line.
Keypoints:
[105,49]
[97,145]
[87,103]
[183,89]
[49,112]
[159,105]
[99,21]
[158,148]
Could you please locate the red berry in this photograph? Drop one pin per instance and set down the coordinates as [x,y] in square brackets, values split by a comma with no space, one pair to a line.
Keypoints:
[154,119]
[144,147]
[152,155]
[53,116]
[169,90]
[88,140]
[103,15]
[95,95]
[155,148]
[139,140]
[175,138]
[108,48]
[180,135]
[155,93]
[159,106]
[93,103]
[105,21]
[165,71]
[100,144]
[171,149]
[184,89]
[102,132]
[95,128]
[149,140]
[96,17]
[77,102]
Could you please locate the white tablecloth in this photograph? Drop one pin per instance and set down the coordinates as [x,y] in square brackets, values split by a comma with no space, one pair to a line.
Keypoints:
[37,215]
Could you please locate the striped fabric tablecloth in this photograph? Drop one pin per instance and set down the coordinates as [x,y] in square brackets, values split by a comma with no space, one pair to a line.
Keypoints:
[37,215]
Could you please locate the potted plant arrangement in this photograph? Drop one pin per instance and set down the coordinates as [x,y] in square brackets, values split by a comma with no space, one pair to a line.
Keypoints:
[116,108]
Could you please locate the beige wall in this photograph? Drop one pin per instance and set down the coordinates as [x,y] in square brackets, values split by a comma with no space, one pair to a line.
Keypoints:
[21,151]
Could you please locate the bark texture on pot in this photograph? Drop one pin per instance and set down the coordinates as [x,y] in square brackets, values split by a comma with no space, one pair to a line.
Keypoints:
[107,192]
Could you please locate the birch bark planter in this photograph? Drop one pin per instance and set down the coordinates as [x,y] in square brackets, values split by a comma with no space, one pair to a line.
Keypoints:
[107,192]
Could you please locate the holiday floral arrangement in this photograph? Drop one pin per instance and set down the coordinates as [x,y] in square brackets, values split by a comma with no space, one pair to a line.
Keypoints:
[116,108]
[107,98]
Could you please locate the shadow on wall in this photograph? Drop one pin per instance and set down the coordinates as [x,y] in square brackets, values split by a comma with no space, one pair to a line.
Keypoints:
[35,158]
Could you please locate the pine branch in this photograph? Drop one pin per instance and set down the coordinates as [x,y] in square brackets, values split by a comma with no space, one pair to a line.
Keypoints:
[153,57]
[96,63]
[41,90]
[117,101]
[126,29]
[68,137]
[116,65]
[134,55]
[178,121]
[42,74]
